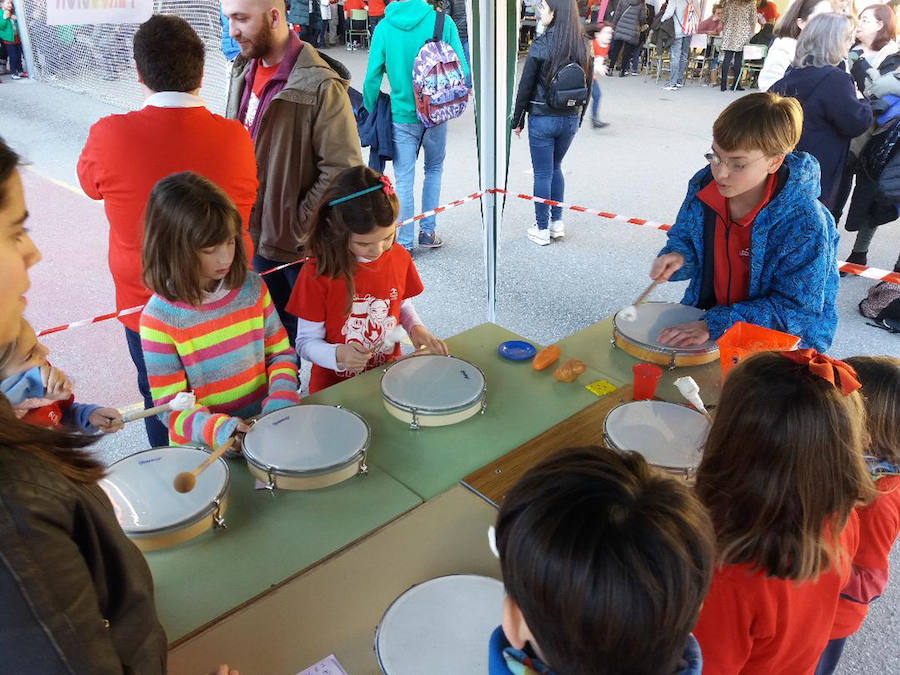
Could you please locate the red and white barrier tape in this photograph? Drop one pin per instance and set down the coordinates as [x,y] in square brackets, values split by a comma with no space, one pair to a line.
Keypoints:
[850,268]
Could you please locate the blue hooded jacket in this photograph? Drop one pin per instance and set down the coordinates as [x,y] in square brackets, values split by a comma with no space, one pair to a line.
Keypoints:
[793,258]
[504,660]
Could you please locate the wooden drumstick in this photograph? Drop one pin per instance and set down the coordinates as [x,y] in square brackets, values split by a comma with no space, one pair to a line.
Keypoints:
[630,312]
[184,400]
[186,480]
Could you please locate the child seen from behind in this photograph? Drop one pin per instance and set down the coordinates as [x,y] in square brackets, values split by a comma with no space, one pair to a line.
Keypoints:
[781,473]
[605,561]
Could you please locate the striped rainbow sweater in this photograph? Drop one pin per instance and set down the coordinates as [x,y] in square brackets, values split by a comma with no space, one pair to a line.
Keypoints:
[233,353]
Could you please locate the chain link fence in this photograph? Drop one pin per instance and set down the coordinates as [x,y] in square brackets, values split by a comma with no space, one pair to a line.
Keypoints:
[97,59]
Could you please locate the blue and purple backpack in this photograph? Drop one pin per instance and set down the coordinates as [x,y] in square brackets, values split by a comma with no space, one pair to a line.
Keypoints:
[439,85]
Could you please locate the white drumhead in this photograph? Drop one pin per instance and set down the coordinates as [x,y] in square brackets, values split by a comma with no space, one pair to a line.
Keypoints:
[441,626]
[145,501]
[431,383]
[654,317]
[306,438]
[666,434]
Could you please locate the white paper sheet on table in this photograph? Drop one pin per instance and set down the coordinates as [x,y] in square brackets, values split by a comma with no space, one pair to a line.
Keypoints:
[327,666]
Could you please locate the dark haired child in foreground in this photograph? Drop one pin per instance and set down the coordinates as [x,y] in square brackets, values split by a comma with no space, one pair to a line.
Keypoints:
[781,474]
[352,298]
[751,236]
[879,522]
[210,326]
[605,561]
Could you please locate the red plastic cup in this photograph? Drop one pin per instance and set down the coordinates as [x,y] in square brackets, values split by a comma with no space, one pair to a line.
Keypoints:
[646,377]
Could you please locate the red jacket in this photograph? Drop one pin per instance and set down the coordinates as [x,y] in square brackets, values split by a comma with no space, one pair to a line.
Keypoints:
[759,625]
[125,156]
[879,524]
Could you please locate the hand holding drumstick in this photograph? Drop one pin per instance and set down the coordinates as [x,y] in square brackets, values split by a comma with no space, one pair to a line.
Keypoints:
[684,334]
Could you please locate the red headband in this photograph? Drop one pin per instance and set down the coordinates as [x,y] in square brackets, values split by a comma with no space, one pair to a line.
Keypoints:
[826,368]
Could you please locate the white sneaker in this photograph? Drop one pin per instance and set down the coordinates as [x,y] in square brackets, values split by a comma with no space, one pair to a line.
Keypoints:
[539,237]
[557,229]
[670,87]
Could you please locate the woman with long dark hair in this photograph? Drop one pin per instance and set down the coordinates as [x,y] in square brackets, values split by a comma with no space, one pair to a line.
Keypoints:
[553,59]
[76,595]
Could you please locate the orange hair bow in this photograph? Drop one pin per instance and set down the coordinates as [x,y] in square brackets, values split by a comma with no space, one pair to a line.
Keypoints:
[827,368]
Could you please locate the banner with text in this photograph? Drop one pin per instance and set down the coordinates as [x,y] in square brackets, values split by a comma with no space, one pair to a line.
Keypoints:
[81,12]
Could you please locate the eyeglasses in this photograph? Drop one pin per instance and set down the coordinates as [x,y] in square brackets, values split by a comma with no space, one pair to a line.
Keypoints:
[733,166]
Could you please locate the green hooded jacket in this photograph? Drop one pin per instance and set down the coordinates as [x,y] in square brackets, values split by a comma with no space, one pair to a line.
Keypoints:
[407,25]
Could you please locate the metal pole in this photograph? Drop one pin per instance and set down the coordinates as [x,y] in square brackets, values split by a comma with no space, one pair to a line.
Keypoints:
[27,54]
[488,83]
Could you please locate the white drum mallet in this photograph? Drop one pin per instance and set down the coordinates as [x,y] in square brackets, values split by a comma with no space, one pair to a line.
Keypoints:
[691,391]
[630,312]
[184,400]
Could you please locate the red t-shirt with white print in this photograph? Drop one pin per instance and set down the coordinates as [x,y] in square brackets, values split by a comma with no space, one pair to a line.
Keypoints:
[380,287]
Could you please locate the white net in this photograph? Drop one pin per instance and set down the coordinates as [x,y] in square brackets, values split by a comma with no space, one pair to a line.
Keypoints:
[97,59]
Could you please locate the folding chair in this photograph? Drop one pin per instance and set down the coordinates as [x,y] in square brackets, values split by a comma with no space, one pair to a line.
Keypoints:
[697,55]
[358,26]
[754,57]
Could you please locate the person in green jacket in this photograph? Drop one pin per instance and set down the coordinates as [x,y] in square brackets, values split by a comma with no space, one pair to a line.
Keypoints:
[9,36]
[407,25]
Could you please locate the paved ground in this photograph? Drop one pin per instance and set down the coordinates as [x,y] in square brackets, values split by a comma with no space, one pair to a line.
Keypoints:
[638,166]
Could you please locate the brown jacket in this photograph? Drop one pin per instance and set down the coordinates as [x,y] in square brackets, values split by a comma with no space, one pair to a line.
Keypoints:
[76,595]
[306,136]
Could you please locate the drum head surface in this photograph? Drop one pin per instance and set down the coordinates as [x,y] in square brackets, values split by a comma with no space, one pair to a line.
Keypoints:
[654,317]
[666,434]
[432,383]
[441,626]
[141,491]
[306,437]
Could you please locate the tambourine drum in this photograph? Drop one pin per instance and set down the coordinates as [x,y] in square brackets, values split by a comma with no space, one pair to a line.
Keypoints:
[638,338]
[668,435]
[440,627]
[149,509]
[433,391]
[306,447]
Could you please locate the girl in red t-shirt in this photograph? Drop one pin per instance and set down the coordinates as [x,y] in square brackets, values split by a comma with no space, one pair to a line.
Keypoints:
[781,473]
[879,522]
[355,295]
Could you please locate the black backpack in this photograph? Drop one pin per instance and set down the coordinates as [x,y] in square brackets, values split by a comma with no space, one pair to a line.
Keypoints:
[569,89]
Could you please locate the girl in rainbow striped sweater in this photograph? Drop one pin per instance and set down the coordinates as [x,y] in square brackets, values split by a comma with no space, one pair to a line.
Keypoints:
[210,326]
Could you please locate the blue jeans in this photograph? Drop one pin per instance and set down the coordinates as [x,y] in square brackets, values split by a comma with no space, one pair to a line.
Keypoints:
[678,59]
[830,657]
[465,46]
[595,100]
[157,433]
[549,137]
[408,137]
[280,285]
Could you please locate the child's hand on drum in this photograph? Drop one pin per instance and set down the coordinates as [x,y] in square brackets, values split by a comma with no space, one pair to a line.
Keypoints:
[107,420]
[352,356]
[423,340]
[665,266]
[685,334]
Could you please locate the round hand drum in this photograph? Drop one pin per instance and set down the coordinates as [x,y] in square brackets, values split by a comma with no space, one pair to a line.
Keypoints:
[148,508]
[668,435]
[440,627]
[433,391]
[306,447]
[638,338]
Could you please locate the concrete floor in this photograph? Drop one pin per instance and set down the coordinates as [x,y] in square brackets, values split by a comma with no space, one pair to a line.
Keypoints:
[638,166]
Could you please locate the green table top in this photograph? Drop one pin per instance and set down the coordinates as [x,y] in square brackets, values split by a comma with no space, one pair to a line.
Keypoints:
[269,538]
[521,403]
[593,346]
